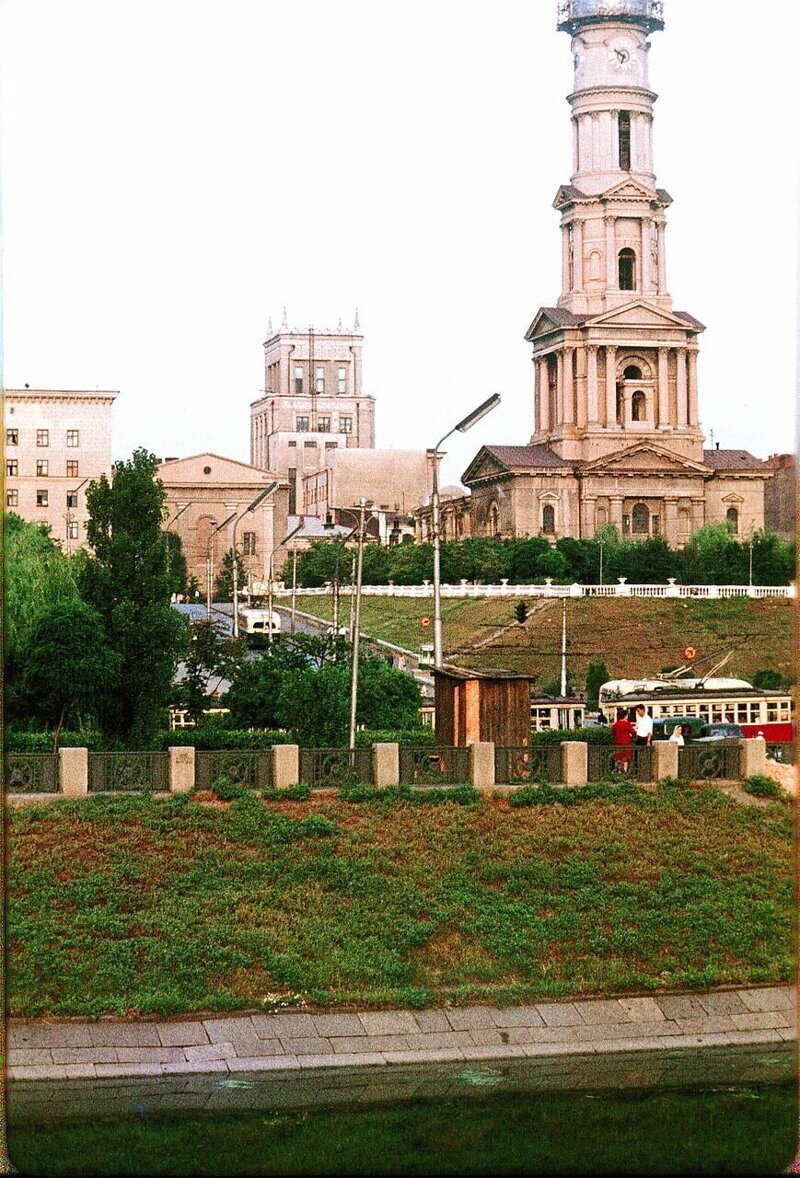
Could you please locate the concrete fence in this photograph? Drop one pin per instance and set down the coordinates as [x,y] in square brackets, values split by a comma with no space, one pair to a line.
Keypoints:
[572,763]
[620,588]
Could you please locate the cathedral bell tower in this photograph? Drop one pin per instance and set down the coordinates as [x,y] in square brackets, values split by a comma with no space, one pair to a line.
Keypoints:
[615,364]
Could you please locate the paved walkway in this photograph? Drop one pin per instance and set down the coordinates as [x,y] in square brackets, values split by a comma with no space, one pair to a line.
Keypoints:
[273,1042]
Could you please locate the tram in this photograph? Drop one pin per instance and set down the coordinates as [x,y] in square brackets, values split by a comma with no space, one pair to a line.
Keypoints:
[255,625]
[711,700]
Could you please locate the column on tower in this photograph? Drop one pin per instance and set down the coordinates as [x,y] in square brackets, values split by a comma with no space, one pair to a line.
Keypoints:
[568,416]
[565,258]
[543,390]
[611,385]
[559,388]
[693,411]
[614,138]
[593,407]
[663,387]
[662,258]
[577,255]
[646,256]
[683,388]
[611,255]
[596,139]
[576,163]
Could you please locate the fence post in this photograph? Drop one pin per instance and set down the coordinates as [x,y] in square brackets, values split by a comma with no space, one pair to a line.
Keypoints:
[73,772]
[574,762]
[181,769]
[665,759]
[481,764]
[752,757]
[385,765]
[285,765]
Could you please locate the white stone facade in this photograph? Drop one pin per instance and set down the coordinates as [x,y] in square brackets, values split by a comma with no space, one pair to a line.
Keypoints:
[56,442]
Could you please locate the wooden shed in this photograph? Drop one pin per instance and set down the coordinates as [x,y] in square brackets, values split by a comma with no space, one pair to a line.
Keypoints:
[474,706]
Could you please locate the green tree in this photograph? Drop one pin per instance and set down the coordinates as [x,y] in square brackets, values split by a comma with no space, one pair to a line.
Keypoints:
[210,655]
[223,589]
[126,579]
[176,563]
[256,684]
[522,557]
[315,705]
[552,564]
[38,577]
[69,667]
[770,680]
[596,675]
[387,698]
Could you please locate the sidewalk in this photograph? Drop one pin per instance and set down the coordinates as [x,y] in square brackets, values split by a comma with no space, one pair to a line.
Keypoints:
[278,1042]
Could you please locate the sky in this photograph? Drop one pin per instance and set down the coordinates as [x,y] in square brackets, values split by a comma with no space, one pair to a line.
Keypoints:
[175,172]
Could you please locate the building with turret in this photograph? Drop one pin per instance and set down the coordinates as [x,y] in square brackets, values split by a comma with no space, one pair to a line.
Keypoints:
[617,438]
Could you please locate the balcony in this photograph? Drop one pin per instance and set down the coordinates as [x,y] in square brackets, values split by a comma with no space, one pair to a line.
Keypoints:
[572,13]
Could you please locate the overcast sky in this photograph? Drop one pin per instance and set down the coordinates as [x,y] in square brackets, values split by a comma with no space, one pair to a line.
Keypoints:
[175,171]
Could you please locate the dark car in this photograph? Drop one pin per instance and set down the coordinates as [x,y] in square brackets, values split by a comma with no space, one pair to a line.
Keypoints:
[720,731]
[663,729]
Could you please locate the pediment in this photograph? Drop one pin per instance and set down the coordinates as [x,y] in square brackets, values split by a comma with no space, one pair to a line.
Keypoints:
[567,195]
[643,458]
[543,324]
[213,469]
[732,499]
[630,190]
[484,465]
[637,314]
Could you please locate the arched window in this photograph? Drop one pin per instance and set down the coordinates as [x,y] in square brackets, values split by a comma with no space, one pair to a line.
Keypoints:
[627,269]
[624,122]
[632,372]
[733,520]
[549,520]
[494,520]
[640,519]
[638,406]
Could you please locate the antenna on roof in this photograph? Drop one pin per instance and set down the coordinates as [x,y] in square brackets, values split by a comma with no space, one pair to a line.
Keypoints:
[356,322]
[285,323]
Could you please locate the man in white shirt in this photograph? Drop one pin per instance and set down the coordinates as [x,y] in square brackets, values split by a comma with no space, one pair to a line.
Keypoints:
[643,725]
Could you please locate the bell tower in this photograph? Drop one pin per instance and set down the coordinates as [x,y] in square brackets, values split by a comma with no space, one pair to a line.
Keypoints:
[614,362]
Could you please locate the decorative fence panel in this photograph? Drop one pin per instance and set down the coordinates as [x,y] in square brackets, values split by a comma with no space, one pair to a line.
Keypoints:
[125,771]
[522,765]
[717,760]
[620,589]
[252,768]
[31,773]
[434,766]
[781,751]
[321,768]
[606,761]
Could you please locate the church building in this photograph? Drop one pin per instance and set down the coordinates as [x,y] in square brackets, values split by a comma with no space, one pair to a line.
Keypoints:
[617,438]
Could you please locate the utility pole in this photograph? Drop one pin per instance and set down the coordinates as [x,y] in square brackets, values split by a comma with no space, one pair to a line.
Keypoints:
[563,649]
[357,624]
[294,587]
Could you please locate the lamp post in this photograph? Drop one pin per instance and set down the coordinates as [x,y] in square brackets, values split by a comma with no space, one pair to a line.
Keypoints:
[355,614]
[750,575]
[215,527]
[471,419]
[270,489]
[285,540]
[602,543]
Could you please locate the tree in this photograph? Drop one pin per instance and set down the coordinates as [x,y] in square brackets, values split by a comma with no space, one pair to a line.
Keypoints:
[522,557]
[38,577]
[551,564]
[210,653]
[255,691]
[596,675]
[316,705]
[69,666]
[126,580]
[387,698]
[176,563]
[223,589]
[770,680]
[521,612]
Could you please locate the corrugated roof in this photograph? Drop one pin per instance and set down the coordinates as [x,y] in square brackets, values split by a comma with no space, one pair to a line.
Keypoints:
[523,456]
[732,460]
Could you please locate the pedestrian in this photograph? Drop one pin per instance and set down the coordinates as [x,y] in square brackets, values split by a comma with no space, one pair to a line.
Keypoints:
[677,736]
[644,726]
[623,733]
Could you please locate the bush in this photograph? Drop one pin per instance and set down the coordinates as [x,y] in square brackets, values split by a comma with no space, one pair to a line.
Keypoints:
[673,783]
[414,738]
[42,742]
[394,795]
[227,790]
[212,737]
[761,786]
[587,735]
[548,795]
[291,793]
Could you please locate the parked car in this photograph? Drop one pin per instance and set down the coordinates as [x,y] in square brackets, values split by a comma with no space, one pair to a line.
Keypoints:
[720,731]
[663,729]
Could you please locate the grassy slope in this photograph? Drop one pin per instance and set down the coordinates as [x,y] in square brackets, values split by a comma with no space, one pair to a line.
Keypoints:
[633,637]
[134,905]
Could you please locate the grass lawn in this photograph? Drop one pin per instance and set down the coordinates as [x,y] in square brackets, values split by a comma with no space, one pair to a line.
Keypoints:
[134,905]
[633,636]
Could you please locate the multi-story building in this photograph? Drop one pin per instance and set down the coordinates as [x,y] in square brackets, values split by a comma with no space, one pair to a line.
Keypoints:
[56,443]
[394,483]
[617,437]
[313,403]
[780,509]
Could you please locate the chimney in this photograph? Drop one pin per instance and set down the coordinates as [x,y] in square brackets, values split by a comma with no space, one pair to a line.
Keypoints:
[717,445]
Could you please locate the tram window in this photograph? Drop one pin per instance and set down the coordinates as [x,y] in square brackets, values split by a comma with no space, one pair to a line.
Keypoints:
[716,715]
[772,713]
[784,711]
[730,716]
[704,711]
[742,714]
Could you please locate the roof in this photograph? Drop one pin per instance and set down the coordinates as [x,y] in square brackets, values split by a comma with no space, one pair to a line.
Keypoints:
[733,460]
[689,319]
[524,456]
[562,317]
[451,672]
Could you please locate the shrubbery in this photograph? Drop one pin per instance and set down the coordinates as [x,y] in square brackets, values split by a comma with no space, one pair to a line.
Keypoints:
[586,735]
[761,786]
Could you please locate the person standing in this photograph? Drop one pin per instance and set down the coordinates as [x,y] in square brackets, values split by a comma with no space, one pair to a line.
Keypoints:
[643,725]
[623,734]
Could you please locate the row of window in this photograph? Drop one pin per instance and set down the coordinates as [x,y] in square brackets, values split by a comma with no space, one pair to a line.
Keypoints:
[42,498]
[739,712]
[312,445]
[319,379]
[639,523]
[73,437]
[302,424]
[42,468]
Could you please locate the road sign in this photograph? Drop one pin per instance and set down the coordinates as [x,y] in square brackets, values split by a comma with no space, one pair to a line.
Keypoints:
[424,621]
[690,653]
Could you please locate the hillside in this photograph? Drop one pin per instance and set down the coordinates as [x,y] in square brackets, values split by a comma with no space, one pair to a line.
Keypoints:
[633,636]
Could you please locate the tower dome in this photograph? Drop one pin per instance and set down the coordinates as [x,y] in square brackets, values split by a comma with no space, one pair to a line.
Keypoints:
[572,14]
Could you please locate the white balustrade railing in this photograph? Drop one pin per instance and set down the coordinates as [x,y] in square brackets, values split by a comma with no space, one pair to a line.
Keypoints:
[504,589]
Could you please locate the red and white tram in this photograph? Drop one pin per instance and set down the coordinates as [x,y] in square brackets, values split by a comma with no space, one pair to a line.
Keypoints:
[713,701]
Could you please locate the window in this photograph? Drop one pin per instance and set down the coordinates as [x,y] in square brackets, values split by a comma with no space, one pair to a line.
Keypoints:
[331,446]
[625,140]
[627,269]
[12,498]
[72,468]
[42,467]
[42,498]
[656,525]
[72,530]
[73,438]
[292,476]
[638,406]
[342,374]
[12,437]
[345,425]
[626,525]
[301,425]
[43,437]
[319,380]
[549,520]
[732,518]
[249,543]
[641,520]
[632,372]
[12,467]
[298,378]
[292,444]
[324,425]
[310,445]
[72,498]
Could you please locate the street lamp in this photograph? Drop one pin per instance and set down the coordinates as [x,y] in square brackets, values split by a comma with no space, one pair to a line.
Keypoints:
[601,540]
[355,614]
[285,540]
[215,527]
[270,489]
[471,419]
